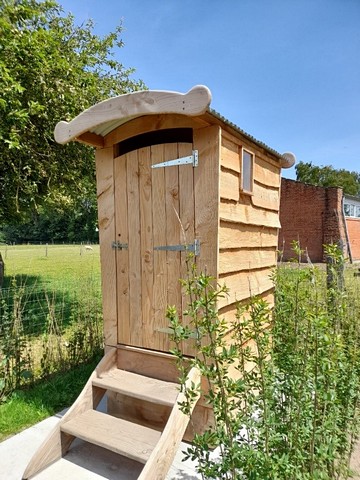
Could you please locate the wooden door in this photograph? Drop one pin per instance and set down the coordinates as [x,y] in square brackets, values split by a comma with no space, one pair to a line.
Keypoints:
[154,209]
[134,201]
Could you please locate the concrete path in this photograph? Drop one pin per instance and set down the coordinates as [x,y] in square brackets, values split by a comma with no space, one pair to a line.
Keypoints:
[89,462]
[83,461]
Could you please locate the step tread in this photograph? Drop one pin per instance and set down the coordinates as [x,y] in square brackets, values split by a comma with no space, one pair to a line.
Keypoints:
[120,436]
[138,386]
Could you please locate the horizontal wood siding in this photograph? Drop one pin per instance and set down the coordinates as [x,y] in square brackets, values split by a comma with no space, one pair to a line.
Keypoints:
[229,185]
[229,313]
[265,173]
[265,197]
[246,213]
[233,235]
[249,224]
[244,284]
[246,259]
[230,154]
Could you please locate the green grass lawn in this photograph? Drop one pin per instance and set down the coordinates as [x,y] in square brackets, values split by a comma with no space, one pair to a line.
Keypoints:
[26,407]
[55,265]
[51,299]
[56,276]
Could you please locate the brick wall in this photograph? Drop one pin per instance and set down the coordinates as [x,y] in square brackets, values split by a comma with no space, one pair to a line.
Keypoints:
[334,226]
[312,215]
[353,226]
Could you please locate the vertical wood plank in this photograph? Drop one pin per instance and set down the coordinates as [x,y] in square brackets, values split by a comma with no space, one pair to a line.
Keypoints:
[106,217]
[146,247]
[207,141]
[173,227]
[159,234]
[135,295]
[186,196]
[187,233]
[122,256]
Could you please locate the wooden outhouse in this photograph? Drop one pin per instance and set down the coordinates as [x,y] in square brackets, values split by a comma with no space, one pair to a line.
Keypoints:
[172,176]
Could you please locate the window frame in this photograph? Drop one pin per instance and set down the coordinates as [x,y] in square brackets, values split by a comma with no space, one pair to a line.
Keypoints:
[352,209]
[347,209]
[252,166]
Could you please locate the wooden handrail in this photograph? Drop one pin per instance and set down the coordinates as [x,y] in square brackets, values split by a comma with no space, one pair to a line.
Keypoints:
[160,460]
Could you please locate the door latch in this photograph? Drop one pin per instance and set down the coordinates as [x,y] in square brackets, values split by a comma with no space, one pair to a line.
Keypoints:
[119,246]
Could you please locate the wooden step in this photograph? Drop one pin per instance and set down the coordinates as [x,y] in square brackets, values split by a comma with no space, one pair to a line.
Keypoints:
[138,386]
[122,437]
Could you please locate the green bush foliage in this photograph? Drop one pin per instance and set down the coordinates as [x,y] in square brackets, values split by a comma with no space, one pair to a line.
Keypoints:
[50,70]
[283,382]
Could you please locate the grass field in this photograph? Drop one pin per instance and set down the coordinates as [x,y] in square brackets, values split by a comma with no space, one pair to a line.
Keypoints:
[55,264]
[50,311]
[28,406]
[60,274]
[50,321]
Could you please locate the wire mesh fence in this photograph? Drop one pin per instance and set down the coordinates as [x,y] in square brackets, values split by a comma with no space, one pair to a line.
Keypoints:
[50,310]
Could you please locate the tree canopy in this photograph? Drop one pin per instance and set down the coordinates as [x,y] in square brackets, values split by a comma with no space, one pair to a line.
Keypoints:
[50,70]
[328,176]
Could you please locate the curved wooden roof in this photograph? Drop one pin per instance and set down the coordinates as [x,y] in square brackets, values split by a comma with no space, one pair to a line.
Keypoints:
[93,124]
[105,116]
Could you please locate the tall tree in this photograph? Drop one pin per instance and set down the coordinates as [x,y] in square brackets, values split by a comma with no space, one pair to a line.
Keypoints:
[328,176]
[50,70]
[60,219]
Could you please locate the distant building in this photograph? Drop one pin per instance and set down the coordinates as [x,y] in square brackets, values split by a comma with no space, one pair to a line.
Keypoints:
[316,216]
[352,215]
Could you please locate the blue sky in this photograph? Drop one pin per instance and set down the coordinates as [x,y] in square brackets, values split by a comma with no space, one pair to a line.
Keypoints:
[285,71]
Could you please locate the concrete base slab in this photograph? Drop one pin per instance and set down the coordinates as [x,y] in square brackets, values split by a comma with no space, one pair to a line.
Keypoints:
[84,461]
[89,462]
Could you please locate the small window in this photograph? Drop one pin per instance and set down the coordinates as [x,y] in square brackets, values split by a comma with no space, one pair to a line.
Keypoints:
[247,171]
[349,209]
[358,211]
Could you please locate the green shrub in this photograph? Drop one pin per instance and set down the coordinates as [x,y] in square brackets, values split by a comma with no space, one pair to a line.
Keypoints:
[294,414]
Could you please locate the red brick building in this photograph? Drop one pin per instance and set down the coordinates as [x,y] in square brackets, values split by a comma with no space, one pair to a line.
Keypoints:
[316,216]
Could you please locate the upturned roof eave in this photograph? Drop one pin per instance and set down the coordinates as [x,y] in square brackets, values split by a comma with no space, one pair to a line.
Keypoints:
[92,125]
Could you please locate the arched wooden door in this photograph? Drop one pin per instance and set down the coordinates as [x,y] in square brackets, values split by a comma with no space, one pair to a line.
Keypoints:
[154,219]
[144,214]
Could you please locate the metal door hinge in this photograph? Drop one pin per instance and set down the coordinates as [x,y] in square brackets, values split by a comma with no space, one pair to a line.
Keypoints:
[192,247]
[119,246]
[191,159]
[170,331]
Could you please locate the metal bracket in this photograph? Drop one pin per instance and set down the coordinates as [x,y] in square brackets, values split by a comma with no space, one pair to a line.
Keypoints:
[191,159]
[193,247]
[119,246]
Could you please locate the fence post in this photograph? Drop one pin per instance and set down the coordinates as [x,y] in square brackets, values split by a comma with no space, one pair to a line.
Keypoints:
[2,270]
